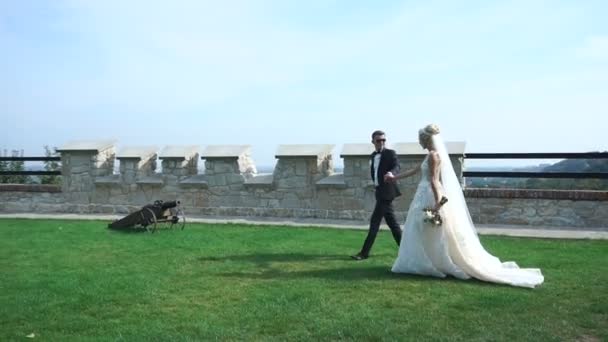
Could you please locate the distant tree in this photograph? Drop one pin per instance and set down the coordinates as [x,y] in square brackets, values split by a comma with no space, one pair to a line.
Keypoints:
[50,166]
[3,167]
[573,165]
[13,166]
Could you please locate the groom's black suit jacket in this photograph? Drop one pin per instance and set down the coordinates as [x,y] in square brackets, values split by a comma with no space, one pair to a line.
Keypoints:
[388,162]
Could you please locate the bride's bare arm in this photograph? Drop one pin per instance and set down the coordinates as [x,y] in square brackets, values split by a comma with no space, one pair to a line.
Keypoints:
[407,173]
[390,177]
[434,162]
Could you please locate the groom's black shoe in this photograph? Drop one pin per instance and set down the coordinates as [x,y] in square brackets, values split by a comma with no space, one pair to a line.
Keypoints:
[359,257]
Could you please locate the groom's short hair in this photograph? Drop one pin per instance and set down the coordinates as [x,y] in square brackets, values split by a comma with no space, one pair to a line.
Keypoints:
[377,133]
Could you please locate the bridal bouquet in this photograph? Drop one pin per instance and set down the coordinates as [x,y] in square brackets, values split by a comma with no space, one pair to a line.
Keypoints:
[432,216]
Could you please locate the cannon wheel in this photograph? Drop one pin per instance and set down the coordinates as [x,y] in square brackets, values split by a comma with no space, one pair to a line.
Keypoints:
[149,219]
[178,220]
[181,223]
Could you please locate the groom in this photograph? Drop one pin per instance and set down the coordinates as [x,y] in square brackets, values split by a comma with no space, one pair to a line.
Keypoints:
[383,160]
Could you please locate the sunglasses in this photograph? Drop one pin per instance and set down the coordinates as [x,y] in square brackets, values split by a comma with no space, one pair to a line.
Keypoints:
[380,140]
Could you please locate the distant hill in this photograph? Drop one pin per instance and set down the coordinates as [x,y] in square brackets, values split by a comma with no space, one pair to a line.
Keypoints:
[528,168]
[567,165]
[579,165]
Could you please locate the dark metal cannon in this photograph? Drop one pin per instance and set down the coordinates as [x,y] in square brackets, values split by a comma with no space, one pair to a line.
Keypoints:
[152,217]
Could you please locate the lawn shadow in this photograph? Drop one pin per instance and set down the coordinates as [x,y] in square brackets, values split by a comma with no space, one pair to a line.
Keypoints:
[346,274]
[127,230]
[266,260]
[264,267]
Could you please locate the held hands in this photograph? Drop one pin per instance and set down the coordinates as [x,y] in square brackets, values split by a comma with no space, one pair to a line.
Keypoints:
[389,177]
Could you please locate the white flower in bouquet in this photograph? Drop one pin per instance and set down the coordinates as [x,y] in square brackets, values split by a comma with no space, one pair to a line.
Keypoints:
[428,214]
[432,216]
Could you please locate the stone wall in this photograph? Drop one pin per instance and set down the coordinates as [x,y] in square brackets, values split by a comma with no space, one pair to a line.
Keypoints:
[556,208]
[302,185]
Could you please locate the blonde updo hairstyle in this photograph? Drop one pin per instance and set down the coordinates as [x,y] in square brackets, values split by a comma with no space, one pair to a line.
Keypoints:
[425,134]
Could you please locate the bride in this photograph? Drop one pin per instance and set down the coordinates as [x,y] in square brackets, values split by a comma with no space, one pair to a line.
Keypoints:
[453,247]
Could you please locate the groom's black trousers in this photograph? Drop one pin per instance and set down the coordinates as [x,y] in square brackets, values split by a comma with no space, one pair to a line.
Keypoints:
[384,208]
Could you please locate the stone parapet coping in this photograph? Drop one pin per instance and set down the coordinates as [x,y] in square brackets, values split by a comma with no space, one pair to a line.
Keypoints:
[333,181]
[225,151]
[87,145]
[137,152]
[112,179]
[151,180]
[357,150]
[195,181]
[402,149]
[406,149]
[308,150]
[179,152]
[30,187]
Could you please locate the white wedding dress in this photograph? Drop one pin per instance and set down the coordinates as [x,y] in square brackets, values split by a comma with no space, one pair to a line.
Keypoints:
[453,248]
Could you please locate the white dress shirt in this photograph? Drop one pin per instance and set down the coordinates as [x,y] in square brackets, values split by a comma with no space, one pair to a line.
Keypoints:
[376,164]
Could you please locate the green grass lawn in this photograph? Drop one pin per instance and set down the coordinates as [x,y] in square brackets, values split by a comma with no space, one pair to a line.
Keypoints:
[77,280]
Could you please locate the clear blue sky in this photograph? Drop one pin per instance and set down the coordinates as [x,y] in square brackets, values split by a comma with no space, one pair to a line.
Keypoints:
[505,76]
